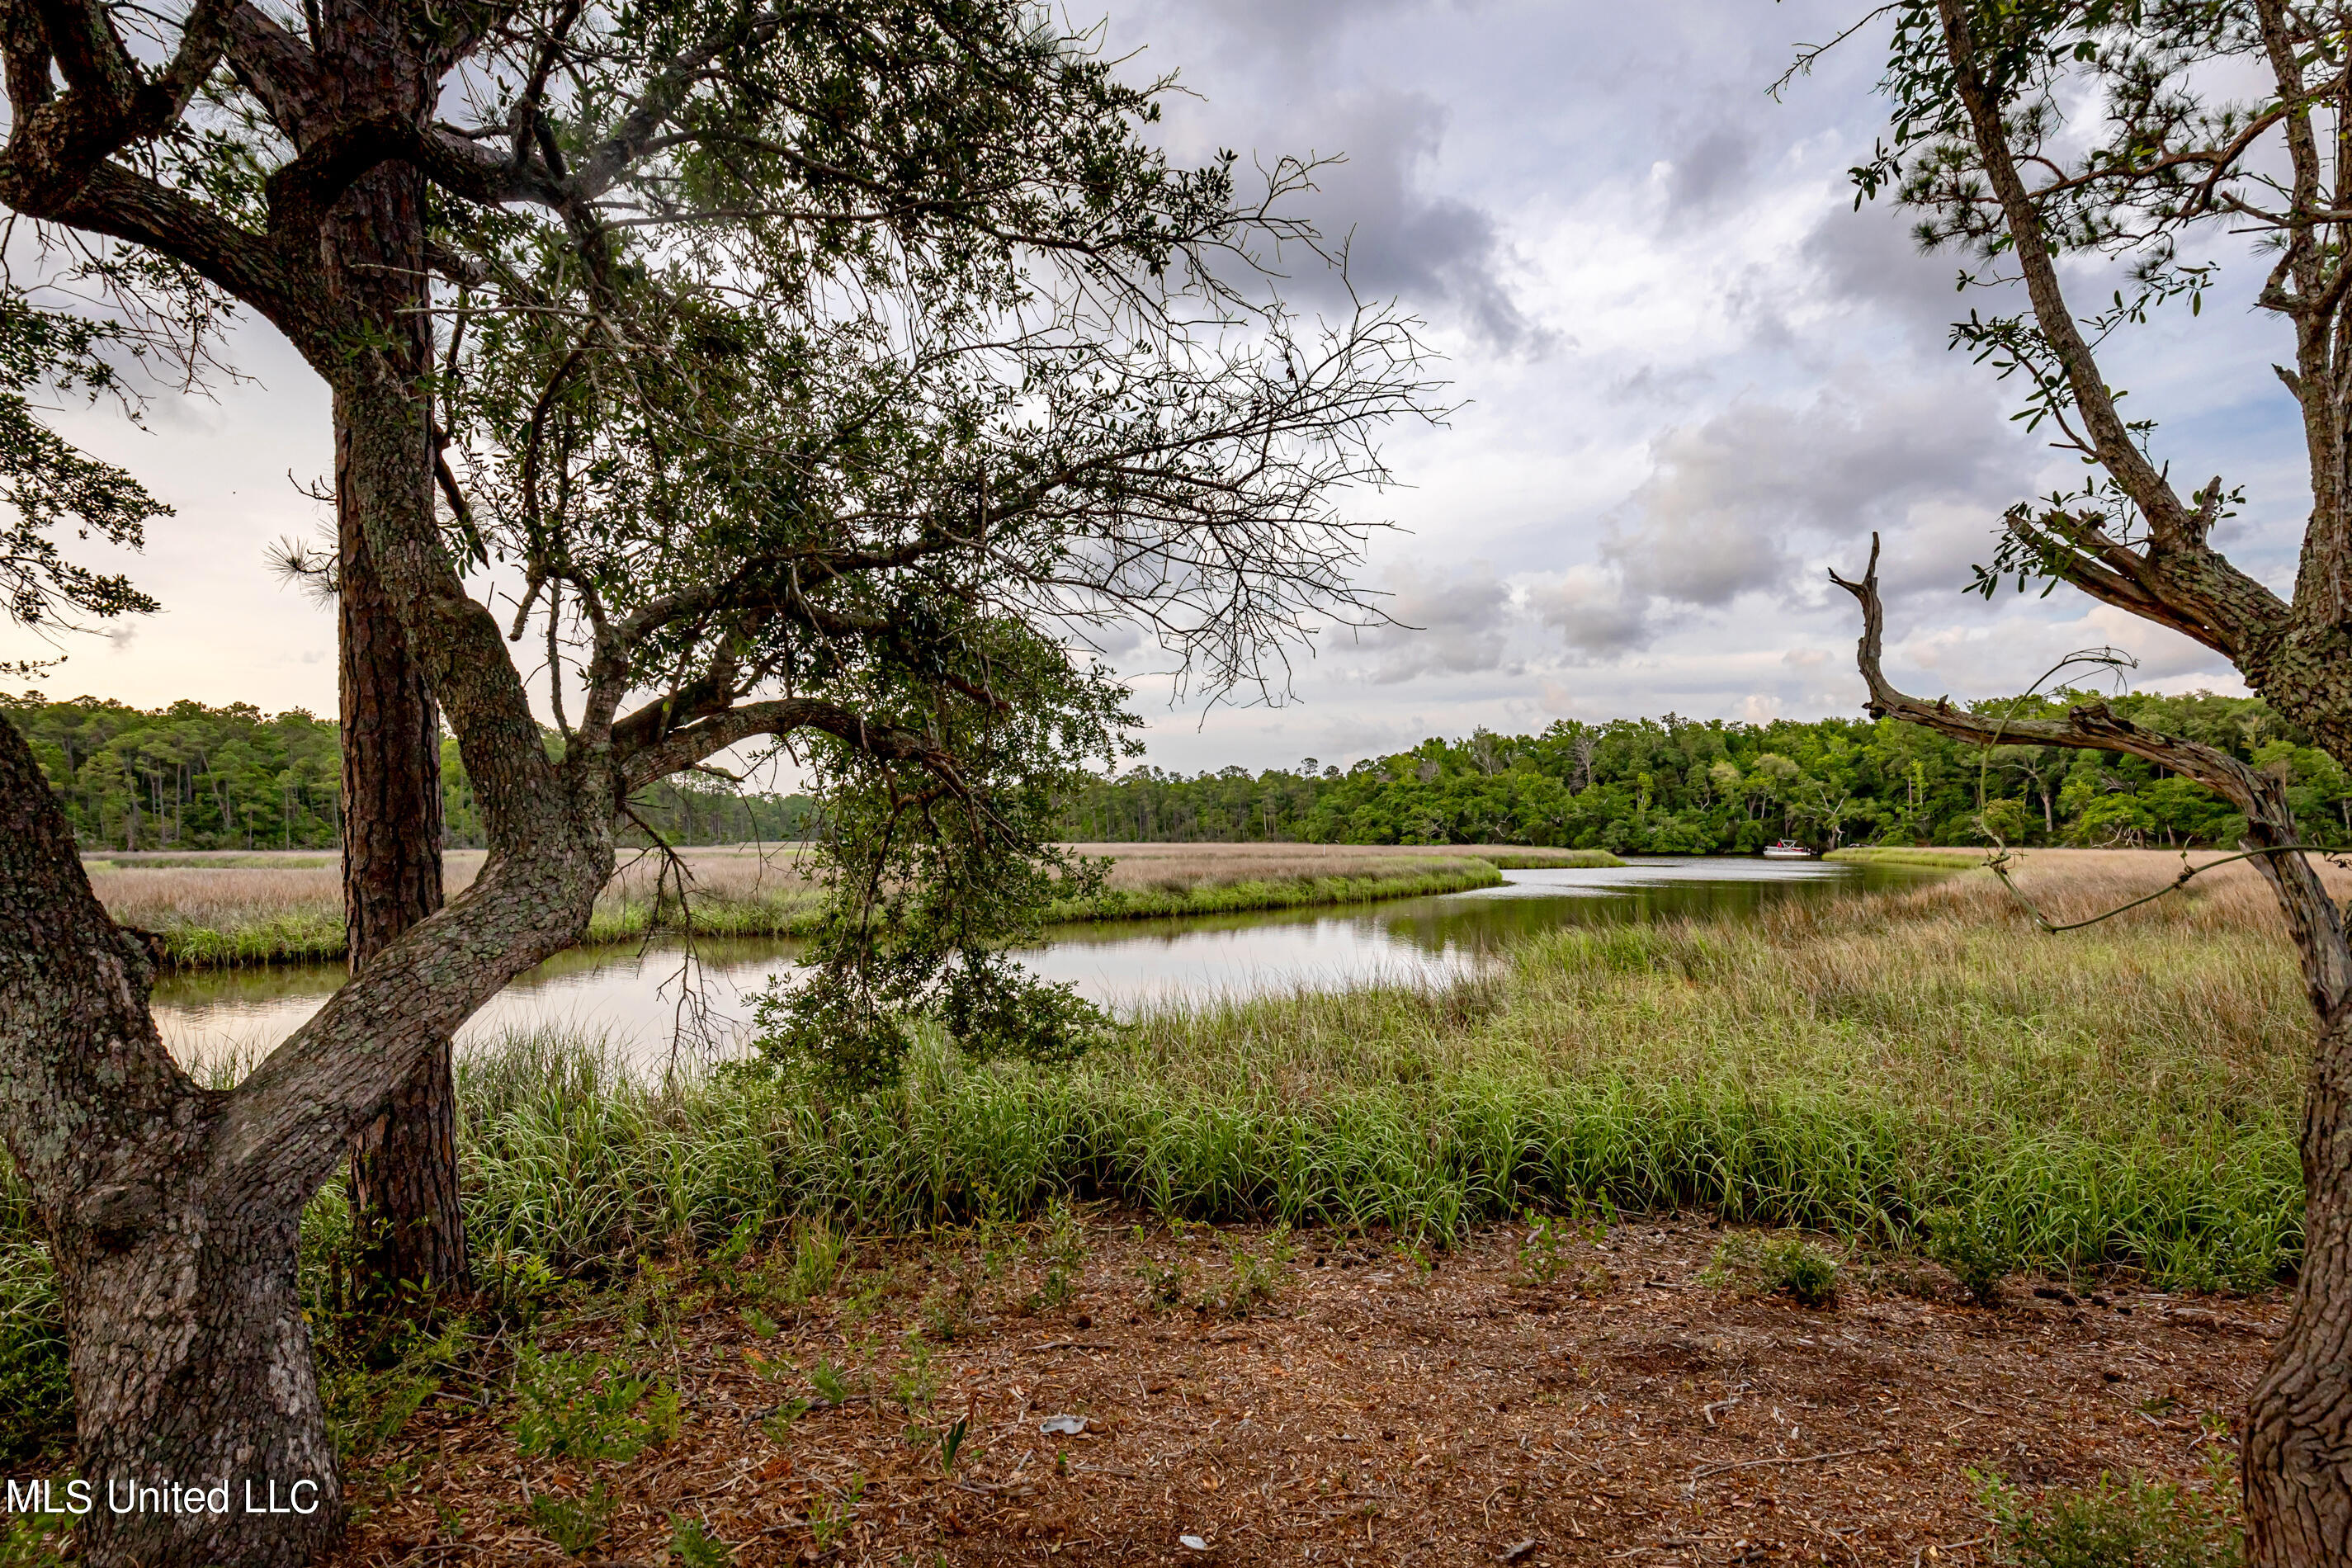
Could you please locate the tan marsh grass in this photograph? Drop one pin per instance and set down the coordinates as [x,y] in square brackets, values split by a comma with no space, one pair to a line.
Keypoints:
[245,909]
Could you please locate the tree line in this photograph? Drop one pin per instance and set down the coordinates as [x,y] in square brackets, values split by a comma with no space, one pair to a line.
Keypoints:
[187,776]
[1687,787]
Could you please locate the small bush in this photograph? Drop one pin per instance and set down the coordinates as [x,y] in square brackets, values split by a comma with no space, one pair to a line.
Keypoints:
[1163,1283]
[1790,1263]
[576,1527]
[1803,1270]
[1254,1279]
[1967,1245]
[694,1546]
[2131,1523]
[588,1407]
[1061,1246]
[947,1310]
[1539,1253]
[817,1261]
[831,1385]
[917,1381]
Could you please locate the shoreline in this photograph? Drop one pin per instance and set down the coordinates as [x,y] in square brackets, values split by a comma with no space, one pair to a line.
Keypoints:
[316,935]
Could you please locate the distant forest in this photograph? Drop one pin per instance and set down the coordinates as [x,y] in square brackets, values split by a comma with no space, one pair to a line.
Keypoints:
[1677,785]
[193,777]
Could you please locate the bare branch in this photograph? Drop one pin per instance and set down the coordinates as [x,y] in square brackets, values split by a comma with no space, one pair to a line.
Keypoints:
[2316,922]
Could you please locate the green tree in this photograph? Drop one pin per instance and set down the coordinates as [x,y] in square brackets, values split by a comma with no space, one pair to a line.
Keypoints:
[2153,138]
[823,379]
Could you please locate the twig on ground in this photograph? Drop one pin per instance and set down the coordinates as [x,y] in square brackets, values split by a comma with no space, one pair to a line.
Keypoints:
[1705,1471]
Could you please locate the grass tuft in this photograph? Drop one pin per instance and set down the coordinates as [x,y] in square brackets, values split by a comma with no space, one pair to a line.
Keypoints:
[2126,1523]
[36,1407]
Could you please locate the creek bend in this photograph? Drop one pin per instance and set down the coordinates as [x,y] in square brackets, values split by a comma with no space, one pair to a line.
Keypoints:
[633,997]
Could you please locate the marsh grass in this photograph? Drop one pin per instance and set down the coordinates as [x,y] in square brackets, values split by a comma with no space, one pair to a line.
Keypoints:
[1956,858]
[2124,1096]
[242,911]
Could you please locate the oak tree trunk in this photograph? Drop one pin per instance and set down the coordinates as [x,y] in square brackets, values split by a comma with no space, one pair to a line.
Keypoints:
[191,1364]
[409,1234]
[190,1358]
[2297,1447]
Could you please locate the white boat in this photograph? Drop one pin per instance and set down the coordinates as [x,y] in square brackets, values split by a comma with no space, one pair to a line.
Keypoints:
[1786,849]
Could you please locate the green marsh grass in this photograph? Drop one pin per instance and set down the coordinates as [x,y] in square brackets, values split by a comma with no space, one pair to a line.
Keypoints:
[2122,1097]
[1955,857]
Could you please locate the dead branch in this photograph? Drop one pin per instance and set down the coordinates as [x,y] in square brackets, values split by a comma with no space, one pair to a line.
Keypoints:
[2271,839]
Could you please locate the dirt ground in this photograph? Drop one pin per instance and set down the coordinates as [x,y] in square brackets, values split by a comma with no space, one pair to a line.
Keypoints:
[1377,1408]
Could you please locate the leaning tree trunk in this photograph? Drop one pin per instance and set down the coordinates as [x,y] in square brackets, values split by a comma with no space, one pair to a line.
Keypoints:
[2297,1447]
[190,1359]
[408,1232]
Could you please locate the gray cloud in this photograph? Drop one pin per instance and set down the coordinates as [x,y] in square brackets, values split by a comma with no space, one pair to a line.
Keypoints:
[1731,500]
[1279,85]
[1432,252]
[1710,172]
[1302,31]
[1452,624]
[1868,257]
[1593,611]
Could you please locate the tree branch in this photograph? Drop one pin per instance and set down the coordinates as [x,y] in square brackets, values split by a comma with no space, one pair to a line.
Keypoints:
[683,747]
[2311,916]
[86,1085]
[277,67]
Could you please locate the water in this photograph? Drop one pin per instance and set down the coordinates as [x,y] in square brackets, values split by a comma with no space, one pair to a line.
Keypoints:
[638,998]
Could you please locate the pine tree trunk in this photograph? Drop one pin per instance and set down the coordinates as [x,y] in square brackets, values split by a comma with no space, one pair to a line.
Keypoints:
[2298,1446]
[408,1231]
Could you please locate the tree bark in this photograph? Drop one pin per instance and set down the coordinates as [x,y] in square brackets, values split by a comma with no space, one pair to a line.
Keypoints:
[409,1235]
[2296,1457]
[2296,1451]
[408,1230]
[191,1359]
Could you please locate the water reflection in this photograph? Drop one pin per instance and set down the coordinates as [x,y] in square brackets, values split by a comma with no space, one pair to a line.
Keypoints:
[638,996]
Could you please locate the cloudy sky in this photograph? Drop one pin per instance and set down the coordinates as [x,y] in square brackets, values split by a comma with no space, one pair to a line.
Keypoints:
[1692,376]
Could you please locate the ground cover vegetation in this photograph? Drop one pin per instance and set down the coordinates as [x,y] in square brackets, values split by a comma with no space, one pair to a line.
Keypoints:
[2147,145]
[1098,1384]
[1687,787]
[1928,1086]
[820,379]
